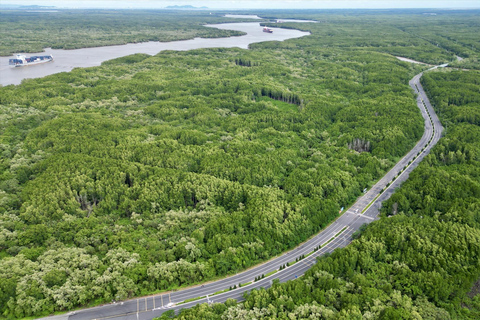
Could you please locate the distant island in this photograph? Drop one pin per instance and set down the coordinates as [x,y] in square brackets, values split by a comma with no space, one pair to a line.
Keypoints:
[185,7]
[29,7]
[34,6]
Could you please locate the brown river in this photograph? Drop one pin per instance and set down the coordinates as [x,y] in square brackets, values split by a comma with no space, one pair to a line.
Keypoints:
[66,60]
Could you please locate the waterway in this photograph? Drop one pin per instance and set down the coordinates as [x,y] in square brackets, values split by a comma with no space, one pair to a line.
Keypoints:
[411,61]
[66,60]
[252,16]
[242,16]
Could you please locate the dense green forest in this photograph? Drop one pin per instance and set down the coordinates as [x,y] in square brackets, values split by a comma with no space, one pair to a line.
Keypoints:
[150,173]
[420,260]
[32,31]
[433,36]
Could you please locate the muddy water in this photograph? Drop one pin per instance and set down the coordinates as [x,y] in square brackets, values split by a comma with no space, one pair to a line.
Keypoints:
[66,60]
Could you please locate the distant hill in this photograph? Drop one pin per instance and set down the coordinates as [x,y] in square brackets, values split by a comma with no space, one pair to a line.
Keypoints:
[185,7]
[36,7]
[29,7]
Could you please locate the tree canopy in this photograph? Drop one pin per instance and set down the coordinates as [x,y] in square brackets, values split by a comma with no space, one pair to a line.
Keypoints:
[151,173]
[420,260]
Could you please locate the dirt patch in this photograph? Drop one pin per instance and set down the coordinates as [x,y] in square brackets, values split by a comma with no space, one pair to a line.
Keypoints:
[475,289]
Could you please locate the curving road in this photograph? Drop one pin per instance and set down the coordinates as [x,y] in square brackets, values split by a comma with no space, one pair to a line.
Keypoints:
[336,235]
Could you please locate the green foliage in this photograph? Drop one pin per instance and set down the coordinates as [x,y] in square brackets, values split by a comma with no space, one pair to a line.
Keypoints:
[433,37]
[419,262]
[151,173]
[169,314]
[24,31]
[357,234]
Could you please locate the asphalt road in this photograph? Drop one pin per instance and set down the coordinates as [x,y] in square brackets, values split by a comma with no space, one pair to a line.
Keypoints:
[336,235]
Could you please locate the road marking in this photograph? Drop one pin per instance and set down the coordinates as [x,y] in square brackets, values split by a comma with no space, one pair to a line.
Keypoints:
[120,315]
[364,216]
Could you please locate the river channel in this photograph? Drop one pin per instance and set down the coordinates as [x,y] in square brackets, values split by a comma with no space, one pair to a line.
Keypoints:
[66,60]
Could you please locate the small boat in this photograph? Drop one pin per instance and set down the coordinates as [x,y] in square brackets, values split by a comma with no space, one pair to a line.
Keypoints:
[21,60]
[266,29]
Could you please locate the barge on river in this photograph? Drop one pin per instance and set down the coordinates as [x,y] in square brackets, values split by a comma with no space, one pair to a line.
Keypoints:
[21,61]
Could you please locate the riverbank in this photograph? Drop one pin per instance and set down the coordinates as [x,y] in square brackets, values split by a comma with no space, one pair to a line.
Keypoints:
[66,60]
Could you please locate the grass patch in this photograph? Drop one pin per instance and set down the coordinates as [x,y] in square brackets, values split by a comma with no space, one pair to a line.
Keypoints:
[309,254]
[192,299]
[221,291]
[244,284]
[331,239]
[371,202]
[338,233]
[270,273]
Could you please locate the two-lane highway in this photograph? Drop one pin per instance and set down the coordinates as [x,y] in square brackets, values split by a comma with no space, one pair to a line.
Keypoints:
[336,235]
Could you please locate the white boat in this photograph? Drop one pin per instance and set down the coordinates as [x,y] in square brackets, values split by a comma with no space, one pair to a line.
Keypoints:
[21,60]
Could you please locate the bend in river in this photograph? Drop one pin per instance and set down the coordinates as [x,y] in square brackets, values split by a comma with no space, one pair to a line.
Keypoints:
[66,60]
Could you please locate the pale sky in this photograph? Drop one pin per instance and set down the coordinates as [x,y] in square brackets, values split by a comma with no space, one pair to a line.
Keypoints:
[251,4]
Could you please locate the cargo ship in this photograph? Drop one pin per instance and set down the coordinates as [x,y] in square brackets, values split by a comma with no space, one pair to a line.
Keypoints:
[266,29]
[21,60]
